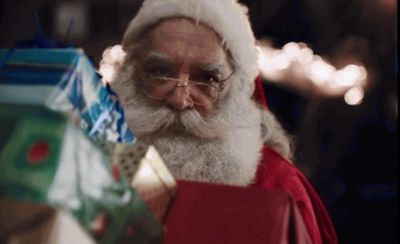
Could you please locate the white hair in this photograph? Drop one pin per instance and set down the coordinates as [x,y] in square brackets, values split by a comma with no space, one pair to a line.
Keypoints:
[274,135]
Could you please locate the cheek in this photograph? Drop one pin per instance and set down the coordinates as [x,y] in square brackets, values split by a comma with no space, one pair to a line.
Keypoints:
[199,97]
[160,91]
[206,110]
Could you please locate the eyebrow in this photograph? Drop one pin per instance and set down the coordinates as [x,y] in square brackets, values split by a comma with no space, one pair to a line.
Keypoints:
[210,67]
[216,69]
[155,57]
[158,58]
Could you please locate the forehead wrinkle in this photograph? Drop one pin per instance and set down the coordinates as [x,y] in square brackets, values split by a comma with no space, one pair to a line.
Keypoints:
[186,30]
[182,51]
[184,41]
[190,37]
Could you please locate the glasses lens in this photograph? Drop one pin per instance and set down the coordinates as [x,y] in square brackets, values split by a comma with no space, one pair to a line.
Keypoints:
[203,94]
[159,87]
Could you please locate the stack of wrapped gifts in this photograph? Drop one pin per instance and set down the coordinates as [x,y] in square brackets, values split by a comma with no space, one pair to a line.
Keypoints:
[63,180]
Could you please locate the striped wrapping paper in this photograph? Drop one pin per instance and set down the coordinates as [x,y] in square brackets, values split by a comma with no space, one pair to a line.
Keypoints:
[63,80]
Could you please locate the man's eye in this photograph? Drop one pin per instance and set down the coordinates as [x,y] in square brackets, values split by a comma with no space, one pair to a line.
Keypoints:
[157,70]
[209,78]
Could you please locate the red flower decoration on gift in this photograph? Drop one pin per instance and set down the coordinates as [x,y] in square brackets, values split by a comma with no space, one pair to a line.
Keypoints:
[38,153]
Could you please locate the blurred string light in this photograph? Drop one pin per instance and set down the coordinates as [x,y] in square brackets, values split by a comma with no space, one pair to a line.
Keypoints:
[112,57]
[296,62]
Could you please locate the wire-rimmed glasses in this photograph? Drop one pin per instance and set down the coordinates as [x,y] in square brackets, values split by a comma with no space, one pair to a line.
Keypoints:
[200,92]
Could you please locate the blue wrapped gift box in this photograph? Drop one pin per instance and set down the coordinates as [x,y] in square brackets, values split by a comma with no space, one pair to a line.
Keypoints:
[63,80]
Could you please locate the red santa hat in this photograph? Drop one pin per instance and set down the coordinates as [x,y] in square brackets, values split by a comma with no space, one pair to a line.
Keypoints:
[226,17]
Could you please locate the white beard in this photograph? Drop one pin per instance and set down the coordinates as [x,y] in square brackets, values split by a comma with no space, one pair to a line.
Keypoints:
[224,148]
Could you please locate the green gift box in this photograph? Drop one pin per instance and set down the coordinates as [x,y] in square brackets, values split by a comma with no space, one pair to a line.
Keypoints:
[44,158]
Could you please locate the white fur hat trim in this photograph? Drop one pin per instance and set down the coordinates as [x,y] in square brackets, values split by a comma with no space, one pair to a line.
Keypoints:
[227,17]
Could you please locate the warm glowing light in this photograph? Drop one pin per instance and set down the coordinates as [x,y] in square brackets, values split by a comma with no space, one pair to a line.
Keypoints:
[291,50]
[350,75]
[354,96]
[296,63]
[363,73]
[107,71]
[306,55]
[321,72]
[116,52]
[272,62]
[111,57]
[280,61]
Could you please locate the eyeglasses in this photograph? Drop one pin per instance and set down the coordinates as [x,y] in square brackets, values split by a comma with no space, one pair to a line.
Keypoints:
[201,92]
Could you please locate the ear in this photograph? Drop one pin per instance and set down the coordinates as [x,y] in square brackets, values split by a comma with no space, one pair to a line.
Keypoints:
[259,93]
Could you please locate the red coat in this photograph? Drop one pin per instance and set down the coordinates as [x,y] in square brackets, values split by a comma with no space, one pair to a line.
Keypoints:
[191,217]
[276,173]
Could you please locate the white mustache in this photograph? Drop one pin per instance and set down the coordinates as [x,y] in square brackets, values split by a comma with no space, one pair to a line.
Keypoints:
[147,121]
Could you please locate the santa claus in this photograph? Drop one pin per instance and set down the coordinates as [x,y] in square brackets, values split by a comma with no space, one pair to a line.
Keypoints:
[187,87]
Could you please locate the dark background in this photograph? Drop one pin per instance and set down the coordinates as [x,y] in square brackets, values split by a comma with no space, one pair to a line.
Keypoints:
[348,152]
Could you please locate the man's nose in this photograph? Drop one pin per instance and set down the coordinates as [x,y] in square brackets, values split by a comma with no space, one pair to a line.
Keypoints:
[180,99]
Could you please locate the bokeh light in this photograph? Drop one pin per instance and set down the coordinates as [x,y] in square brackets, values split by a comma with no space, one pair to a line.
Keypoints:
[297,65]
[354,96]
